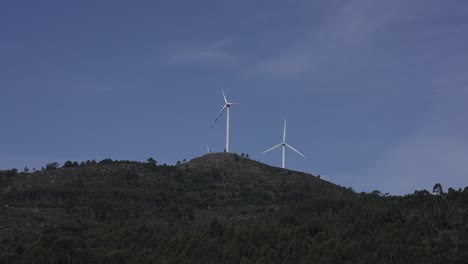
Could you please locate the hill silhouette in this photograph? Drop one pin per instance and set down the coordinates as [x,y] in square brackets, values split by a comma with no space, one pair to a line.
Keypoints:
[219,208]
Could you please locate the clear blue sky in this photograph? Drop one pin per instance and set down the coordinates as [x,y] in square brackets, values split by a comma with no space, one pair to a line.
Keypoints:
[375,91]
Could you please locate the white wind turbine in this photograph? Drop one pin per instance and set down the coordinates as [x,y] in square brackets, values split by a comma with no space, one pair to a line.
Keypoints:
[227,105]
[284,144]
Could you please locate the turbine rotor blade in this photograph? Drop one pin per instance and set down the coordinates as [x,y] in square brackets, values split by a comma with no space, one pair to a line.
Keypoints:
[272,148]
[220,112]
[284,131]
[295,150]
[225,100]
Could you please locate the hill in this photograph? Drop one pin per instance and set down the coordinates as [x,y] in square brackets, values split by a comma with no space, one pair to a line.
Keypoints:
[218,208]
[239,170]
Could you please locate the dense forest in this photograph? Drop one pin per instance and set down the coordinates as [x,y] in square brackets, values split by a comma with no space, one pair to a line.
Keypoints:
[219,208]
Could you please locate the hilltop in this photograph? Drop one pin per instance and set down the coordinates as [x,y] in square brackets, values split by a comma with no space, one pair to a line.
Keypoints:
[237,169]
[218,208]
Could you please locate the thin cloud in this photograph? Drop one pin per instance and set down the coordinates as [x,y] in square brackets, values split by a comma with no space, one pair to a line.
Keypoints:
[213,53]
[436,153]
[339,39]
[419,163]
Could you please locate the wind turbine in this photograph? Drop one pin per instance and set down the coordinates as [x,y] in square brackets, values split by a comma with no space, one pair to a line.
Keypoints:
[227,105]
[284,145]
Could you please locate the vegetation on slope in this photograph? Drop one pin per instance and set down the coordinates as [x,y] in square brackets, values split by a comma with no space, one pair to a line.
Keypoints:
[220,208]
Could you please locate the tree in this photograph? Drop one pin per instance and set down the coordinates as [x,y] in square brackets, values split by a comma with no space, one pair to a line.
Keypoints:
[26,169]
[438,189]
[152,161]
[108,161]
[52,166]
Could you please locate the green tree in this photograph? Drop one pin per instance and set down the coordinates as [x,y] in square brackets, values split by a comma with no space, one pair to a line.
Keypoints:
[152,161]
[52,166]
[438,189]
[68,164]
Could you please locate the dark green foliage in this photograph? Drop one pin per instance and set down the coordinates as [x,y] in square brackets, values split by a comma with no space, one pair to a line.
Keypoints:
[52,166]
[70,164]
[131,212]
[152,164]
[438,189]
[7,176]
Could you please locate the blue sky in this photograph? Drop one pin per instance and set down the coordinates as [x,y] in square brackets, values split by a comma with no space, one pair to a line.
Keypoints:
[374,91]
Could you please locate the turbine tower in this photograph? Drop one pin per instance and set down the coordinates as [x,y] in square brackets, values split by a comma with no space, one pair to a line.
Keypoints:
[284,145]
[227,105]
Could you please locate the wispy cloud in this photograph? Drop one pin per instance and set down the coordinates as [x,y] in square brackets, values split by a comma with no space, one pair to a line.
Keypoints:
[420,162]
[213,53]
[90,89]
[334,37]
[436,153]
[354,32]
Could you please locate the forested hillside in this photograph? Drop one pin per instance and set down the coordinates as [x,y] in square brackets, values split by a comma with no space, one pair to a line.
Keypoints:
[219,208]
